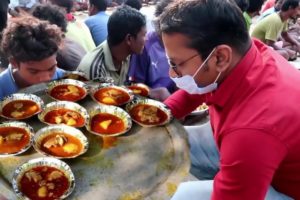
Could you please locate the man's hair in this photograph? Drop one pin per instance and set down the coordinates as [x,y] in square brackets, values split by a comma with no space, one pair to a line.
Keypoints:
[207,23]
[125,20]
[160,6]
[101,5]
[287,4]
[52,13]
[27,38]
[137,4]
[255,6]
[67,4]
[242,4]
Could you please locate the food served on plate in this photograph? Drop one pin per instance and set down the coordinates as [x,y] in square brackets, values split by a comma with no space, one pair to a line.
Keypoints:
[21,106]
[63,112]
[111,95]
[147,112]
[109,121]
[15,138]
[67,90]
[60,141]
[43,179]
[202,107]
[76,75]
[139,89]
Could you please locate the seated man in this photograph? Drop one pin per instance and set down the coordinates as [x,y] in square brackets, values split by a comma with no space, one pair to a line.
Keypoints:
[97,22]
[152,67]
[252,11]
[70,52]
[243,82]
[126,35]
[76,30]
[271,27]
[31,46]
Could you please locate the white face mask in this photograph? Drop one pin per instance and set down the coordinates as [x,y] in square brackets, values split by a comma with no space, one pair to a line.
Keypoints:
[187,82]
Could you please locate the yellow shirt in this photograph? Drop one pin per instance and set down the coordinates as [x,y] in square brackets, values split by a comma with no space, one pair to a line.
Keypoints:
[269,28]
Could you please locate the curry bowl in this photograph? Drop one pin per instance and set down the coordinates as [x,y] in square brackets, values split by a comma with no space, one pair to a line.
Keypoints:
[21,106]
[64,112]
[60,141]
[139,89]
[43,178]
[202,109]
[67,90]
[15,138]
[108,121]
[75,75]
[110,94]
[148,112]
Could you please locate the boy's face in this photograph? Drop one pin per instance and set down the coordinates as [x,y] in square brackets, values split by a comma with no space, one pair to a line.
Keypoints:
[34,72]
[137,43]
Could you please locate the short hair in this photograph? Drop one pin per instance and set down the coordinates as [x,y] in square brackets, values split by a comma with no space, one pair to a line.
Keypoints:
[67,4]
[287,4]
[207,23]
[255,5]
[52,13]
[242,4]
[27,38]
[125,20]
[160,6]
[101,5]
[137,4]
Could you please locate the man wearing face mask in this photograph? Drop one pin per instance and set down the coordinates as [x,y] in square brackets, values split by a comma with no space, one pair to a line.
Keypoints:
[253,96]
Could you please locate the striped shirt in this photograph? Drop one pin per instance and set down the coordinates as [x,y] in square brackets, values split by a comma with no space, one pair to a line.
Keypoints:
[99,63]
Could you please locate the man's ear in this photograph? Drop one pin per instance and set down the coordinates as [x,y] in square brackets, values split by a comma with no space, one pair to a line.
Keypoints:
[128,39]
[223,55]
[15,64]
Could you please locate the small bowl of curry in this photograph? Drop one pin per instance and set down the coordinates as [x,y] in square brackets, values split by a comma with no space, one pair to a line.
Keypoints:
[75,75]
[67,90]
[43,179]
[108,121]
[15,138]
[110,94]
[21,106]
[64,112]
[149,113]
[60,141]
[139,89]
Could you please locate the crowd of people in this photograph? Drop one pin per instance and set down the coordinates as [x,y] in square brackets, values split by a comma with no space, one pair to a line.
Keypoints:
[232,55]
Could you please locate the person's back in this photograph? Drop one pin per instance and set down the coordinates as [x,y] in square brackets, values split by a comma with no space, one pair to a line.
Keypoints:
[97,22]
[269,28]
[31,45]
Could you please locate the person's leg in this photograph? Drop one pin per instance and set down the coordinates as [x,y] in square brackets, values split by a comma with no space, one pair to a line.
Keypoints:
[196,190]
[203,152]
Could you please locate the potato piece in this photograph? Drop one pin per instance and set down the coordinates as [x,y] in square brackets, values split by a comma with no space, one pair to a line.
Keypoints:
[14,136]
[1,140]
[136,91]
[109,100]
[71,122]
[18,105]
[58,119]
[42,192]
[17,114]
[105,124]
[70,148]
[54,175]
[73,89]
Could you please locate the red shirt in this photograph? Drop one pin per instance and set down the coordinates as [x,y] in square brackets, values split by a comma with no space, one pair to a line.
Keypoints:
[255,118]
[268,4]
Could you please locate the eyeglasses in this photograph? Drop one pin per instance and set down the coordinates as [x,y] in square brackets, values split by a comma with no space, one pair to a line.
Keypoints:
[174,66]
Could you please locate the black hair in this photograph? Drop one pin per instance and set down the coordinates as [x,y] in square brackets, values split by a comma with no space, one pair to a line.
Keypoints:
[3,14]
[101,5]
[160,6]
[242,4]
[125,20]
[289,4]
[255,6]
[52,13]
[207,23]
[137,4]
[67,4]
[27,38]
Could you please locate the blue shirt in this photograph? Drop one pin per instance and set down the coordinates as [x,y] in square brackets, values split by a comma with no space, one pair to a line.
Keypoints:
[151,67]
[98,26]
[8,85]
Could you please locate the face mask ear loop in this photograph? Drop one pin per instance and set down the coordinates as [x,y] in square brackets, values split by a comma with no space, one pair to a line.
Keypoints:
[201,66]
[218,77]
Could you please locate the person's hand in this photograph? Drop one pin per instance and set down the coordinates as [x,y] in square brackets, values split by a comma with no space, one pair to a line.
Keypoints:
[159,94]
[292,54]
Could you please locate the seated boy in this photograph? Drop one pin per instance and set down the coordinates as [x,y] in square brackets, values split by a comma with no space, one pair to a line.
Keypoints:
[31,46]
